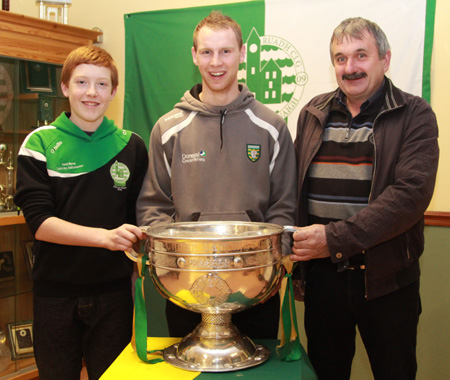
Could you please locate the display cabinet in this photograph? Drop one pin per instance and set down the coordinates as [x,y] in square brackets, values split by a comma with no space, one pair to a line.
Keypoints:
[32,52]
[16,312]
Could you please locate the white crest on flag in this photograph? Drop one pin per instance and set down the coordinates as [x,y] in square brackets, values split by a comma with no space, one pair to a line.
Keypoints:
[274,72]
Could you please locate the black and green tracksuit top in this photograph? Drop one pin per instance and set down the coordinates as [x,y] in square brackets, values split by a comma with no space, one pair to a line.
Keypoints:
[87,180]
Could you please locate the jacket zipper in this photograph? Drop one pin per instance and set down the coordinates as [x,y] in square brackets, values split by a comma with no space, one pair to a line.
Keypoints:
[373,175]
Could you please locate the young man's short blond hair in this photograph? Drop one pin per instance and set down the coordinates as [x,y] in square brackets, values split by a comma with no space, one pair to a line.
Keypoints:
[216,20]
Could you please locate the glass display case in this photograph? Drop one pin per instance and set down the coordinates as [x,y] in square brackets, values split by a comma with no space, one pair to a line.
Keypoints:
[29,98]
[32,52]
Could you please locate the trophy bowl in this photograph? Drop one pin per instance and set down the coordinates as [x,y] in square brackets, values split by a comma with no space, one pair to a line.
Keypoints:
[216,269]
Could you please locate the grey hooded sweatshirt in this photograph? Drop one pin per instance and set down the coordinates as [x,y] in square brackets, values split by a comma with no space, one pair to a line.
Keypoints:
[233,162]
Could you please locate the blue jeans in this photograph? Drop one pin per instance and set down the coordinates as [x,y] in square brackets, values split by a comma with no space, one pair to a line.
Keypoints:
[66,330]
[335,304]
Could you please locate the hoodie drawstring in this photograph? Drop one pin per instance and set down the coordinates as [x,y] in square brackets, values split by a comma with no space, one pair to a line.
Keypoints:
[222,120]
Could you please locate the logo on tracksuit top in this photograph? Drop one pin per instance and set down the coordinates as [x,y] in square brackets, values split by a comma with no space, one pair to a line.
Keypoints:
[193,157]
[120,174]
[253,152]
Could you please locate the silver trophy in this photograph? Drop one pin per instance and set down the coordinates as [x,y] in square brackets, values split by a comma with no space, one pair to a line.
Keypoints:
[3,149]
[9,188]
[216,269]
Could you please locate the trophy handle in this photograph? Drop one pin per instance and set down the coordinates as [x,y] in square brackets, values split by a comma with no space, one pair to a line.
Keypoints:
[289,229]
[133,255]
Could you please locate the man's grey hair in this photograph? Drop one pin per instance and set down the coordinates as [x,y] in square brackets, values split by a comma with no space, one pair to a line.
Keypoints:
[355,28]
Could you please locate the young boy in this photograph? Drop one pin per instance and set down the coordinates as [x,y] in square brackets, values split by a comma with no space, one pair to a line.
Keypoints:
[77,183]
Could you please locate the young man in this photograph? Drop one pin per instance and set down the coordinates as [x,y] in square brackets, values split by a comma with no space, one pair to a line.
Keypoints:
[220,155]
[77,183]
[367,160]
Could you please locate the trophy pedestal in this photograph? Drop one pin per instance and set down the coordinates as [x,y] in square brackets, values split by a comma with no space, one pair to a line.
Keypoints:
[216,345]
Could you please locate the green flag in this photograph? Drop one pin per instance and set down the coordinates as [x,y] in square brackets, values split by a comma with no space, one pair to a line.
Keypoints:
[287,44]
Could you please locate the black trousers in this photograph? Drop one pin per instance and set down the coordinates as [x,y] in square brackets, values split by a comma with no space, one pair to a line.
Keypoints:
[258,322]
[335,304]
[66,330]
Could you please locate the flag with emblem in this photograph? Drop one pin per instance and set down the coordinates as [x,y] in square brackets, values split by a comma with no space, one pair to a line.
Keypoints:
[287,60]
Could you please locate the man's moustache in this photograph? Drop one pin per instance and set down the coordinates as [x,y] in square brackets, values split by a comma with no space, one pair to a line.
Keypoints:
[354,76]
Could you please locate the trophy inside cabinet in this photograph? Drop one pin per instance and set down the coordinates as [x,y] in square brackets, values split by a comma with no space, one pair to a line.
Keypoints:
[30,97]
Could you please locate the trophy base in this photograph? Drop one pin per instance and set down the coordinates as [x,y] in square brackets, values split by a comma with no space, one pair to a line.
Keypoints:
[216,347]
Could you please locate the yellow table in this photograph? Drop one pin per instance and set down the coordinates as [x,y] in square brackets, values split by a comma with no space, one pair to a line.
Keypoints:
[129,366]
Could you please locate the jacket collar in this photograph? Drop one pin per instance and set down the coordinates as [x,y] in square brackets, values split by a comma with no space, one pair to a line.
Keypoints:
[393,99]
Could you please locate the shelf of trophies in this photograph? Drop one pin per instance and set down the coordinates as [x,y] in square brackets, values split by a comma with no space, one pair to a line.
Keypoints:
[34,110]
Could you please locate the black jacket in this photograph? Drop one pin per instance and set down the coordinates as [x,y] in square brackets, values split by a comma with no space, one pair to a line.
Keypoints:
[390,229]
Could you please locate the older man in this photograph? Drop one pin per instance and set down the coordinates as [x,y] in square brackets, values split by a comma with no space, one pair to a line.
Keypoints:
[367,159]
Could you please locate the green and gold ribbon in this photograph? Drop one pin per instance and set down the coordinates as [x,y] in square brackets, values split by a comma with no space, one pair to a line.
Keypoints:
[139,338]
[290,350]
